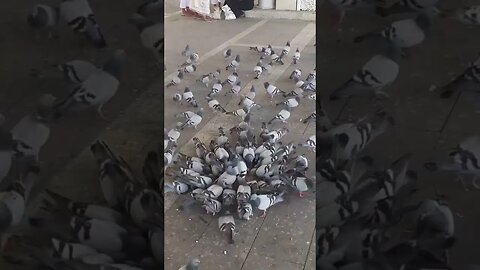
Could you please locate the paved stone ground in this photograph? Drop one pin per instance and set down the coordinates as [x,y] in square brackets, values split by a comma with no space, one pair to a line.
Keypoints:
[427,126]
[283,240]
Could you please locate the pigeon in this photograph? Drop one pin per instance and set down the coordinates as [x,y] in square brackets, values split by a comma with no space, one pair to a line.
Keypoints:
[32,131]
[193,59]
[310,143]
[380,71]
[258,69]
[408,6]
[216,88]
[406,33]
[217,73]
[13,200]
[276,58]
[176,80]
[80,17]
[236,88]
[98,89]
[296,56]
[56,202]
[285,50]
[227,54]
[190,68]
[178,97]
[216,107]
[268,50]
[351,138]
[462,160]
[245,210]
[231,79]
[44,17]
[291,102]
[335,214]
[257,49]
[194,120]
[226,223]
[188,96]
[234,64]
[151,34]
[282,116]
[272,90]
[187,51]
[268,67]
[77,71]
[468,15]
[469,80]
[192,265]
[263,202]
[340,7]
[296,74]
[205,79]
[149,7]
[240,112]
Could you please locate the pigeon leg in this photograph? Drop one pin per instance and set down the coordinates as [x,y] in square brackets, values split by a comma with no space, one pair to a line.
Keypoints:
[301,194]
[475,182]
[264,214]
[460,178]
[100,112]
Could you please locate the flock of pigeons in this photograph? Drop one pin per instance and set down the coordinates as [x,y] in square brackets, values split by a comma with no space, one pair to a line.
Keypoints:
[246,167]
[126,231]
[363,208]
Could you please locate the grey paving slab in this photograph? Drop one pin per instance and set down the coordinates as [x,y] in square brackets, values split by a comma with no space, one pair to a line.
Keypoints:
[257,261]
[213,250]
[274,32]
[182,233]
[288,227]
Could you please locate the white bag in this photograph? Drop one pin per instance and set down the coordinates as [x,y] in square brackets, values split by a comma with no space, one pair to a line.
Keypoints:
[229,15]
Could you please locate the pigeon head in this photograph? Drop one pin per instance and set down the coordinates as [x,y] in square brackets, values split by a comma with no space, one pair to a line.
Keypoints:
[266,84]
[237,58]
[39,17]
[288,43]
[200,112]
[180,74]
[177,97]
[193,264]
[117,63]
[94,33]
[186,90]
[297,98]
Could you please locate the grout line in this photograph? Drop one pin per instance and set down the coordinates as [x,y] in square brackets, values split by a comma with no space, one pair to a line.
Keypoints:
[312,242]
[221,47]
[253,45]
[253,243]
[444,125]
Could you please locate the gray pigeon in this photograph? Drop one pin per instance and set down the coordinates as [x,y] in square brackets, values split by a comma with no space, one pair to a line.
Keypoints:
[469,80]
[380,71]
[98,89]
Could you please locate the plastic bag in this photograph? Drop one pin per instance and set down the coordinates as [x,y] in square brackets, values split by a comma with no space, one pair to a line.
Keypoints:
[229,15]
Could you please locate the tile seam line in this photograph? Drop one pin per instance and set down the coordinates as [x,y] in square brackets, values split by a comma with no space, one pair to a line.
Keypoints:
[221,47]
[312,242]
